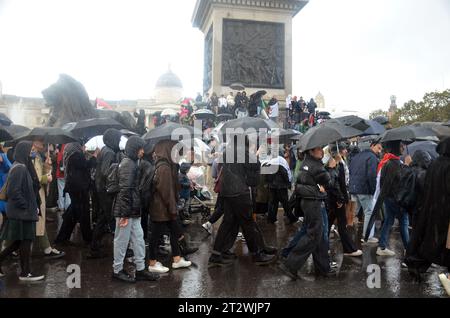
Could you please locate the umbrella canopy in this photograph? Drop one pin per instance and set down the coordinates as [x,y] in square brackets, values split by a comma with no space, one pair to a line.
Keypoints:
[428,146]
[224,117]
[440,130]
[258,94]
[249,123]
[383,120]
[408,133]
[352,121]
[324,134]
[49,135]
[237,86]
[97,142]
[128,133]
[11,132]
[171,131]
[4,120]
[92,127]
[204,114]
[169,112]
[5,135]
[285,135]
[374,129]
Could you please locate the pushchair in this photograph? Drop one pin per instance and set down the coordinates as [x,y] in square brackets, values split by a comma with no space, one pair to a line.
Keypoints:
[200,195]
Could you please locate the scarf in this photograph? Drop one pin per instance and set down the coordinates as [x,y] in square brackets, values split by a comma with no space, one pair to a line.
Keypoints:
[388,156]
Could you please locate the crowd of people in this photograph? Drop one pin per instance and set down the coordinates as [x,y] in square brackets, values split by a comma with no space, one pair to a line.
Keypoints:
[143,196]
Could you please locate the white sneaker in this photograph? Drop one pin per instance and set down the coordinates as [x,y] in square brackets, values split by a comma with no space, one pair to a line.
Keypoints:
[158,268]
[181,263]
[31,278]
[372,240]
[355,253]
[208,227]
[385,252]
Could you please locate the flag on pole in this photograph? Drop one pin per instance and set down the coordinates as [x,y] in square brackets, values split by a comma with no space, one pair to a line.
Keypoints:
[101,104]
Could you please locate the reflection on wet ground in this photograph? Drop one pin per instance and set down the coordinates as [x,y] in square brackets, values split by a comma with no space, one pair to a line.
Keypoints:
[241,279]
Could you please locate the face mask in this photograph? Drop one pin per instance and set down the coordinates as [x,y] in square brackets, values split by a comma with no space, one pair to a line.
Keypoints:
[33,154]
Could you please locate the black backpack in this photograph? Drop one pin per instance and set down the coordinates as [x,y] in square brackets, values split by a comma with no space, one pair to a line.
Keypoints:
[146,186]
[405,195]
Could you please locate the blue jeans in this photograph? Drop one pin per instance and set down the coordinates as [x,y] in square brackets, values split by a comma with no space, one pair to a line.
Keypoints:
[293,242]
[365,200]
[134,234]
[392,211]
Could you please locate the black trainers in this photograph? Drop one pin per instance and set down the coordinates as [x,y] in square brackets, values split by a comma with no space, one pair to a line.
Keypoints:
[263,259]
[146,275]
[185,249]
[218,260]
[31,277]
[54,254]
[229,255]
[123,276]
[287,271]
[269,250]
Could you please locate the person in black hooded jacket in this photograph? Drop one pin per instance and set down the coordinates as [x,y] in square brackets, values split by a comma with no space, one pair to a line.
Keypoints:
[77,174]
[127,211]
[109,155]
[21,211]
[312,181]
[421,160]
[239,175]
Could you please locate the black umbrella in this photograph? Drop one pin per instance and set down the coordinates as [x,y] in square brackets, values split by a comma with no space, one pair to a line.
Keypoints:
[4,120]
[171,131]
[374,129]
[258,94]
[10,132]
[224,117]
[249,123]
[427,145]
[352,121]
[383,120]
[284,135]
[440,130]
[49,135]
[92,127]
[237,86]
[408,133]
[322,135]
[204,114]
[128,133]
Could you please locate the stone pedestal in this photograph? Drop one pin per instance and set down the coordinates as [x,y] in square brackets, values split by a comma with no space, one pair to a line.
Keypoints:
[247,42]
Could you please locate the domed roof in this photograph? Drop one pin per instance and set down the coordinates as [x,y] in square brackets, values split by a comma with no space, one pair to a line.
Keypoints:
[169,79]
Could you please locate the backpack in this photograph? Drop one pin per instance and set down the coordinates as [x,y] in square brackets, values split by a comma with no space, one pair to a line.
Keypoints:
[405,195]
[112,179]
[146,186]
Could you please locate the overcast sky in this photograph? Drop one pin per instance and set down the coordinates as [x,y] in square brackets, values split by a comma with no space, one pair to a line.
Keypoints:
[355,52]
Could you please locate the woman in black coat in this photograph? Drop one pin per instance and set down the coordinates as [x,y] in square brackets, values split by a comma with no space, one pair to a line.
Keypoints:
[21,211]
[78,176]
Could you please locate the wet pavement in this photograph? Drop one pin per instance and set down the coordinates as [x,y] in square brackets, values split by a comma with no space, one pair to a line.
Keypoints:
[241,279]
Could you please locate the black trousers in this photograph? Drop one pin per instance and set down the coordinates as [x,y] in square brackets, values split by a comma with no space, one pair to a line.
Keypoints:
[238,213]
[348,246]
[277,196]
[104,219]
[78,211]
[312,243]
[218,210]
[158,229]
[24,248]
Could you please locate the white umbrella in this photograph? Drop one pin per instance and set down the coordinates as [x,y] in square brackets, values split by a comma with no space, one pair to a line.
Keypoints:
[169,112]
[97,142]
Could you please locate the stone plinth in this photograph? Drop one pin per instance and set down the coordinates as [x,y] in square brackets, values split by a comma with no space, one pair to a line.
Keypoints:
[248,42]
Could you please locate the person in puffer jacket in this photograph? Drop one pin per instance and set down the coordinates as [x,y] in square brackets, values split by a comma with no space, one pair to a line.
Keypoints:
[312,181]
[127,211]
